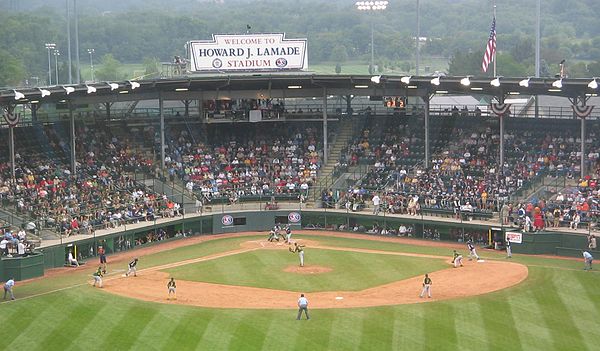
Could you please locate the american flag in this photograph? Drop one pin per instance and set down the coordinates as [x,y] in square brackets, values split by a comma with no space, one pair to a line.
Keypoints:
[490,49]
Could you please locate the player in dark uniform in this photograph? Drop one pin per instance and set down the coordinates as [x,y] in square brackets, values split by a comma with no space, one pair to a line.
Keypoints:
[457,259]
[472,252]
[132,268]
[98,277]
[171,286]
[288,234]
[102,254]
[426,287]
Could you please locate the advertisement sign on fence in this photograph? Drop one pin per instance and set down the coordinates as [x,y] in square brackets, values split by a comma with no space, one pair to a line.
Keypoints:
[248,52]
[514,237]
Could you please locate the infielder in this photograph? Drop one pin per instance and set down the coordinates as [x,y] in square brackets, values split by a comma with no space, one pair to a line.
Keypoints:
[587,258]
[457,259]
[8,286]
[171,287]
[132,268]
[98,277]
[426,287]
[300,250]
[508,249]
[302,306]
[472,252]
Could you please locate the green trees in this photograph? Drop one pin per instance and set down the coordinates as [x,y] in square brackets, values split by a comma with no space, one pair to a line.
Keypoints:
[336,31]
[109,69]
[12,71]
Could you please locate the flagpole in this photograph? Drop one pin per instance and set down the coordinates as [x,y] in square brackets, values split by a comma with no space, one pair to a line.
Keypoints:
[495,51]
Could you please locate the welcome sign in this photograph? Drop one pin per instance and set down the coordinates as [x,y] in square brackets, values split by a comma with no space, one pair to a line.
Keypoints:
[248,52]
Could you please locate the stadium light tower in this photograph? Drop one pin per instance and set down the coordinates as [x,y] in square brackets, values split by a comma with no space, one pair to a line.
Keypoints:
[50,47]
[56,54]
[91,52]
[371,6]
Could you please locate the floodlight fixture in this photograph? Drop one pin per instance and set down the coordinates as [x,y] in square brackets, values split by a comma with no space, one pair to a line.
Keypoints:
[557,83]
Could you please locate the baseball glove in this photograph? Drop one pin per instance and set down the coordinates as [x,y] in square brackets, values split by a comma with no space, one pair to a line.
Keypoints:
[290,249]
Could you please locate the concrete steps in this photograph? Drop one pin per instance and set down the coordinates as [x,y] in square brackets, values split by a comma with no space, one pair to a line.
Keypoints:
[324,179]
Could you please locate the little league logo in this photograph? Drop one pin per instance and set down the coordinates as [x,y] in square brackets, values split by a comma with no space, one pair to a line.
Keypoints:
[294,217]
[227,220]
[281,62]
[217,63]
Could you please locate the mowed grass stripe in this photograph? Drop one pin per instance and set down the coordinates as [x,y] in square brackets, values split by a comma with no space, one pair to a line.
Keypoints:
[469,323]
[376,332]
[282,331]
[29,319]
[579,305]
[497,317]
[217,333]
[126,327]
[409,327]
[343,328]
[313,334]
[555,314]
[531,328]
[188,331]
[250,332]
[591,288]
[95,331]
[440,327]
[161,324]
[72,326]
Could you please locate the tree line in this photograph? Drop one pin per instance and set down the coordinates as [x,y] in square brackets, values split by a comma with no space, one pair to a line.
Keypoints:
[149,31]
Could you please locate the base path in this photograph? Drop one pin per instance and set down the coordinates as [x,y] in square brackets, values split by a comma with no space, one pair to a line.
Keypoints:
[475,278]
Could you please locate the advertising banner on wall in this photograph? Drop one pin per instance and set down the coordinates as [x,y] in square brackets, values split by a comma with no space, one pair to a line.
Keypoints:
[248,52]
[514,237]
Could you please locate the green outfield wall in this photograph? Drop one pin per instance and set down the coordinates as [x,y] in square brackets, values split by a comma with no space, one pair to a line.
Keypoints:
[439,229]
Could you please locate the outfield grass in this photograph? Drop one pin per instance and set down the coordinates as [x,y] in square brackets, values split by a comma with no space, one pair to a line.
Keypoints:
[556,308]
[351,271]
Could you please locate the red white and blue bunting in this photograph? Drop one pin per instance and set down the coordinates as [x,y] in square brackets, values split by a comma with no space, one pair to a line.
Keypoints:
[11,118]
[582,111]
[500,108]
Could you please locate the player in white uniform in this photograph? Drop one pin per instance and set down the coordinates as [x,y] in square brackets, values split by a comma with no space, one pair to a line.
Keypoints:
[472,252]
[300,250]
[132,268]
[508,249]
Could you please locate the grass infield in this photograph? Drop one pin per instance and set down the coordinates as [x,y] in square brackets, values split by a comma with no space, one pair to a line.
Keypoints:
[351,271]
[556,308]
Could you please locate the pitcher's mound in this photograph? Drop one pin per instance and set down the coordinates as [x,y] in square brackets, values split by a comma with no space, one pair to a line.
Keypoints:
[307,269]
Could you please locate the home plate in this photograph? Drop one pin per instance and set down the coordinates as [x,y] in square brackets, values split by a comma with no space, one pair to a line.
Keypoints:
[339,298]
[480,261]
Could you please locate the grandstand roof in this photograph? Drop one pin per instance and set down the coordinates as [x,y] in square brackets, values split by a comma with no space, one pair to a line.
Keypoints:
[291,85]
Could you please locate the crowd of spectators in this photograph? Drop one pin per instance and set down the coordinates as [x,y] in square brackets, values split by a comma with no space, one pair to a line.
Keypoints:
[464,174]
[99,196]
[257,160]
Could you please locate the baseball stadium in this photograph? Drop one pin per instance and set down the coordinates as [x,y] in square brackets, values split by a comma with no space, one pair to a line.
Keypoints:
[241,201]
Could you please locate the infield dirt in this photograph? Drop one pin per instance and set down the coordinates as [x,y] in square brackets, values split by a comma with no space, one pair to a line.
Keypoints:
[475,278]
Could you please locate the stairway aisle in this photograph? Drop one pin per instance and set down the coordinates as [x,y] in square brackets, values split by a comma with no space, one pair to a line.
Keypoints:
[324,179]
